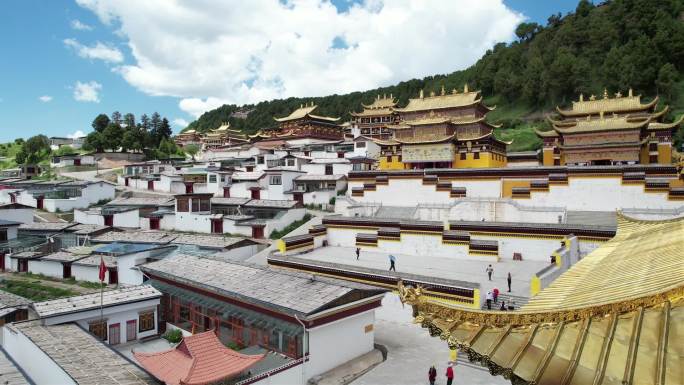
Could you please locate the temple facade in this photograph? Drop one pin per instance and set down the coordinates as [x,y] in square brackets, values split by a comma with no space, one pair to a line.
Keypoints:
[443,131]
[188,137]
[618,130]
[224,136]
[301,127]
[374,120]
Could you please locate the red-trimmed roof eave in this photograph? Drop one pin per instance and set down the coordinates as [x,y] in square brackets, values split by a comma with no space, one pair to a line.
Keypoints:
[200,359]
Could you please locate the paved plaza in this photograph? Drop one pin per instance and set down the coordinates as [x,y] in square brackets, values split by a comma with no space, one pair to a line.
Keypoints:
[471,269]
[411,351]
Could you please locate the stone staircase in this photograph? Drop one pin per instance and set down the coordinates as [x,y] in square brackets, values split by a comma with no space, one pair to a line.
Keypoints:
[395,212]
[508,298]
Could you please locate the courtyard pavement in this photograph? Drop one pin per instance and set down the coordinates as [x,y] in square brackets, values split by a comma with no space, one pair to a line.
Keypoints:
[470,269]
[151,346]
[411,351]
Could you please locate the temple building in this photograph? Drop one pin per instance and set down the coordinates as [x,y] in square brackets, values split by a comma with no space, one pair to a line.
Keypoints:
[375,118]
[188,137]
[615,317]
[619,130]
[224,136]
[444,131]
[300,127]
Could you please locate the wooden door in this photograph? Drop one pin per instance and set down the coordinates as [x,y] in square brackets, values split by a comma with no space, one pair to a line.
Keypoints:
[154,223]
[66,270]
[113,276]
[131,330]
[2,261]
[299,197]
[114,334]
[188,188]
[257,232]
[150,185]
[256,193]
[126,181]
[22,265]
[77,162]
[109,220]
[226,192]
[39,202]
[217,226]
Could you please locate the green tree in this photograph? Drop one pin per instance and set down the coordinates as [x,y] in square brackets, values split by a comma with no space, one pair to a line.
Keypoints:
[35,149]
[116,117]
[667,76]
[112,136]
[129,120]
[192,150]
[526,31]
[64,150]
[94,141]
[100,122]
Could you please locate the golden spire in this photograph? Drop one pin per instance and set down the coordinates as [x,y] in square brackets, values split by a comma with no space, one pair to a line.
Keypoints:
[618,94]
[454,91]
[465,88]
[422,95]
[377,97]
[581,98]
[432,93]
[592,97]
[301,105]
[391,96]
[442,92]
[605,93]
[630,94]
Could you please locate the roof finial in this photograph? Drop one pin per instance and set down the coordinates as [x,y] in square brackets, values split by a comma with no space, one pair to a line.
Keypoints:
[378,97]
[432,93]
[301,105]
[618,94]
[630,92]
[384,96]
[443,92]
[422,95]
[601,115]
[391,97]
[592,97]
[454,91]
[581,97]
[465,88]
[605,93]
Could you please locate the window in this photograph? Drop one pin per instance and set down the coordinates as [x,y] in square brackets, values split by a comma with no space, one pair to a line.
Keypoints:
[3,234]
[476,155]
[360,144]
[653,146]
[212,178]
[389,158]
[205,205]
[195,205]
[276,180]
[146,321]
[290,162]
[260,160]
[182,205]
[653,159]
[98,329]
[463,156]
[556,162]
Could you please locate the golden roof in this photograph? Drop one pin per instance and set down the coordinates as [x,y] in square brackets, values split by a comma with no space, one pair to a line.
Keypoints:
[302,112]
[607,105]
[468,119]
[615,317]
[373,112]
[657,126]
[223,127]
[613,123]
[425,138]
[380,103]
[452,100]
[384,142]
[546,134]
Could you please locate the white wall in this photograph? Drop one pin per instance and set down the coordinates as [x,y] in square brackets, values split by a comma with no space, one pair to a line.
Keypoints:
[33,361]
[88,218]
[24,215]
[335,343]
[129,219]
[88,273]
[192,222]
[49,268]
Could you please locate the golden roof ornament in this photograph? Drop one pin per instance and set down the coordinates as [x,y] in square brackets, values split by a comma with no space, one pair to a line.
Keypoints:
[301,105]
[630,93]
[605,93]
[581,99]
[592,97]
[391,96]
[465,88]
[618,94]
[454,91]
[432,93]
[443,92]
[422,95]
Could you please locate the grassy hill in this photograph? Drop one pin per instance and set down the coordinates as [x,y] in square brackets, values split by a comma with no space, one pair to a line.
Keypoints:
[615,45]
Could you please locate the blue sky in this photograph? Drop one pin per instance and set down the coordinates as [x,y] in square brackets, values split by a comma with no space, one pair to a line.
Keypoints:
[38,61]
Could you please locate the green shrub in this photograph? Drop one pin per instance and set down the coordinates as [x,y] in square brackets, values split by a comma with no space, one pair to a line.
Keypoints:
[173,336]
[332,201]
[275,234]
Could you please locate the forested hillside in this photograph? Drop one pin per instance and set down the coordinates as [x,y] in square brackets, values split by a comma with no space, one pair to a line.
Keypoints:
[614,45]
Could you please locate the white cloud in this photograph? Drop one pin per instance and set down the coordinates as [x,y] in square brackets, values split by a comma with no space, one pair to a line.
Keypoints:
[87,92]
[79,26]
[98,51]
[77,134]
[216,53]
[180,122]
[45,98]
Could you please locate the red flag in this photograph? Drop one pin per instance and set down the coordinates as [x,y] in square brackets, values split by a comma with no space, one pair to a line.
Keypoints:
[103,269]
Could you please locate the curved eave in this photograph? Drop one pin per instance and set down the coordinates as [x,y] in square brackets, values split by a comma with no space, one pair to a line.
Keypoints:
[641,107]
[441,140]
[546,134]
[660,113]
[474,102]
[655,126]
[553,121]
[574,130]
[328,118]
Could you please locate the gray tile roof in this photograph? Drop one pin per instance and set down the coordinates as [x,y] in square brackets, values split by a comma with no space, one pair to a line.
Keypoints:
[5,223]
[63,256]
[92,301]
[82,356]
[271,203]
[313,177]
[229,201]
[8,299]
[26,255]
[94,260]
[150,236]
[247,176]
[216,241]
[51,226]
[84,229]
[9,373]
[142,201]
[283,291]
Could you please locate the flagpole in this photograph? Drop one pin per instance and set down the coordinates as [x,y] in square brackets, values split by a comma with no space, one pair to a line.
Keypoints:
[101,275]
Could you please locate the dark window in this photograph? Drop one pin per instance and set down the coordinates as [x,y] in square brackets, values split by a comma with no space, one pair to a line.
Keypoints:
[653,159]
[360,144]
[212,178]
[463,156]
[3,234]
[195,205]
[398,158]
[98,329]
[182,204]
[276,180]
[389,158]
[476,155]
[205,205]
[556,162]
[146,321]
[653,146]
[328,169]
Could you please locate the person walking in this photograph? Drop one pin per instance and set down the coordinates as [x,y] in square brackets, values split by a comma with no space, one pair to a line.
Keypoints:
[432,375]
[495,292]
[503,306]
[450,373]
[392,261]
[509,281]
[489,271]
[358,253]
[489,299]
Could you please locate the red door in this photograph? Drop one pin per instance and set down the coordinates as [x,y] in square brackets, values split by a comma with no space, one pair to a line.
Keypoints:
[257,232]
[188,188]
[77,162]
[22,265]
[154,223]
[2,261]
[113,276]
[249,168]
[299,197]
[13,198]
[150,185]
[131,330]
[126,181]
[66,270]
[226,192]
[109,220]
[39,202]
[256,193]
[114,334]
[217,226]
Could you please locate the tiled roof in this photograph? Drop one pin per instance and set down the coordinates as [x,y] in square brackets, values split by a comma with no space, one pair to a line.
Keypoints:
[8,299]
[50,226]
[199,359]
[271,203]
[136,236]
[216,241]
[5,223]
[9,373]
[329,160]
[84,229]
[247,176]
[94,260]
[92,301]
[81,355]
[141,201]
[283,291]
[229,201]
[26,255]
[311,177]
[63,256]
[442,101]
